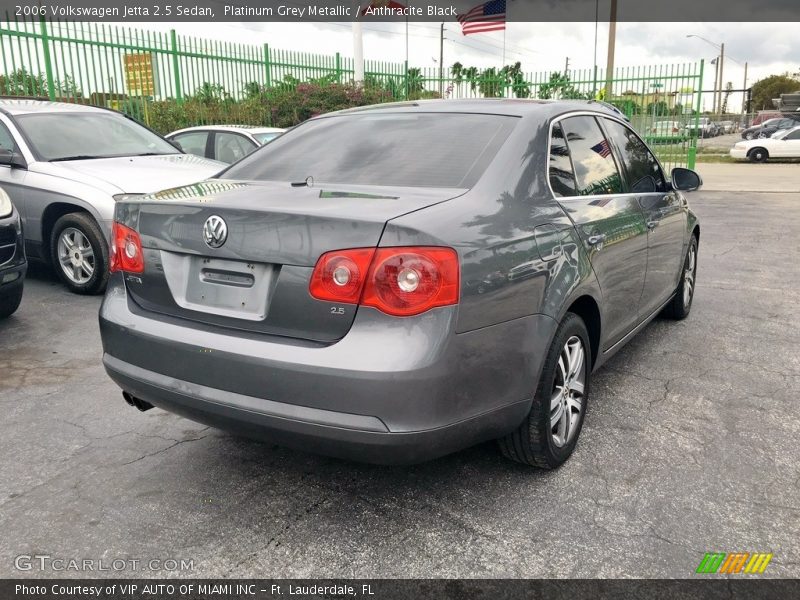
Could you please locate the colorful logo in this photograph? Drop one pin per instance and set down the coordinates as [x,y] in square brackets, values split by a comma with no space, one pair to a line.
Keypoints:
[734,562]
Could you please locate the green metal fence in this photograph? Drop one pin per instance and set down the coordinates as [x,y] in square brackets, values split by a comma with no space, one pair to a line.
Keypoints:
[150,73]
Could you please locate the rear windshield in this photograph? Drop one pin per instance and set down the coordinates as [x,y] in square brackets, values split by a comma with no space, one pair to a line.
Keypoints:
[387,149]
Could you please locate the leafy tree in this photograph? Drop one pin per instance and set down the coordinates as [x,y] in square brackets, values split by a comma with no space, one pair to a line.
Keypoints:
[415,83]
[67,88]
[771,87]
[251,90]
[514,77]
[211,93]
[658,109]
[471,75]
[627,106]
[560,87]
[490,83]
[23,83]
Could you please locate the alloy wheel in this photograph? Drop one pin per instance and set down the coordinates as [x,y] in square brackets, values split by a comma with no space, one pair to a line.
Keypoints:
[566,401]
[688,275]
[76,256]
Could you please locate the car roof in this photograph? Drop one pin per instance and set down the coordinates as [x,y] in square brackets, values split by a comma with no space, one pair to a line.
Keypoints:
[517,107]
[22,106]
[251,129]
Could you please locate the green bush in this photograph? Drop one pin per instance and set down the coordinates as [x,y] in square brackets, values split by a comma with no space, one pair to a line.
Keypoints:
[283,105]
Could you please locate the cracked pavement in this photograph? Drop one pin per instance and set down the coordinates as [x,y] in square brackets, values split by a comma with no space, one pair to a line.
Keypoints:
[690,446]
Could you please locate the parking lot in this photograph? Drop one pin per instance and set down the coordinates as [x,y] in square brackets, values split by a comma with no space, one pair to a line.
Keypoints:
[690,446]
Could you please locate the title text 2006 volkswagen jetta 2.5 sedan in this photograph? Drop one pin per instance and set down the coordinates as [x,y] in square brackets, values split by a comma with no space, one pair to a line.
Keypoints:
[397,282]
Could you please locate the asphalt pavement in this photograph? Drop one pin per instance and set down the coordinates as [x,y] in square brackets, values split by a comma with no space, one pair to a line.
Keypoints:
[691,446]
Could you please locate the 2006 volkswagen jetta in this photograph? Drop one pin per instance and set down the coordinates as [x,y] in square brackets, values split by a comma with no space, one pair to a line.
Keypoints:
[397,282]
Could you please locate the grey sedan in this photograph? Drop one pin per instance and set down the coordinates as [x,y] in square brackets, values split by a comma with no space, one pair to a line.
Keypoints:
[65,165]
[397,282]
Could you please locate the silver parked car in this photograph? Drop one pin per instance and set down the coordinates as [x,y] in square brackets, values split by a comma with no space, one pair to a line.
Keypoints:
[226,143]
[65,166]
[396,282]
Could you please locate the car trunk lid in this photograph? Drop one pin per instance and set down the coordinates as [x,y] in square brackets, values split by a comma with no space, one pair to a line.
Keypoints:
[257,279]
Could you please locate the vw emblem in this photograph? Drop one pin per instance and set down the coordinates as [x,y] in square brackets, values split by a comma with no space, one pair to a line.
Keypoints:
[215,231]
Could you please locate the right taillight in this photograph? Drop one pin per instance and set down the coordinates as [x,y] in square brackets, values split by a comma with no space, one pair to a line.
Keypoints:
[399,281]
[126,250]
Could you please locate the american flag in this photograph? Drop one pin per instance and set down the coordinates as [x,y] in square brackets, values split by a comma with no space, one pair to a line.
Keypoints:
[602,149]
[489,16]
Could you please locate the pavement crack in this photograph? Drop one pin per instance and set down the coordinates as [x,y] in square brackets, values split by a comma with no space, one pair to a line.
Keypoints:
[176,443]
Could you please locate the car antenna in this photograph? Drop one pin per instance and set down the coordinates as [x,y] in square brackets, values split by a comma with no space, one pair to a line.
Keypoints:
[309,182]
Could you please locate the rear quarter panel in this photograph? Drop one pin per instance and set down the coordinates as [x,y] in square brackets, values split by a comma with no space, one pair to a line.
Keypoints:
[519,252]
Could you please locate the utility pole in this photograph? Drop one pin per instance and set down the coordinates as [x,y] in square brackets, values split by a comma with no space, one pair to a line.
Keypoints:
[358,53]
[721,80]
[612,40]
[715,62]
[744,96]
[441,60]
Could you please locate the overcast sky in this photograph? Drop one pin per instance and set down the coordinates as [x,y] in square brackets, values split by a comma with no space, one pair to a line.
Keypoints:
[769,48]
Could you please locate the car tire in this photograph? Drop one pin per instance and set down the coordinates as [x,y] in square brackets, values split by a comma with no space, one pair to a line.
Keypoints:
[547,436]
[758,155]
[681,304]
[79,253]
[748,136]
[9,303]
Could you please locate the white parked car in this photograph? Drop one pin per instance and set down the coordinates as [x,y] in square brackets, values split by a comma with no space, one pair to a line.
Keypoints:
[225,143]
[783,144]
[65,166]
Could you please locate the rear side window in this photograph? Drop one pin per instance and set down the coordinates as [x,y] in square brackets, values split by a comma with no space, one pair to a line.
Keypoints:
[193,142]
[378,148]
[795,135]
[562,179]
[230,147]
[595,169]
[643,171]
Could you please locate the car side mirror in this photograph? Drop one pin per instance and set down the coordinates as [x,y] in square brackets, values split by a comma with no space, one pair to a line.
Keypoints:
[12,159]
[685,180]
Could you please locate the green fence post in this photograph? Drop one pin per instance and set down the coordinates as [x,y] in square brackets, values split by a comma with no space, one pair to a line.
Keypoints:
[48,67]
[691,159]
[338,68]
[267,66]
[176,65]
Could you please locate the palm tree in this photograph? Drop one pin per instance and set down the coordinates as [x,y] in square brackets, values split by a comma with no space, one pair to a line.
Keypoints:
[471,75]
[457,71]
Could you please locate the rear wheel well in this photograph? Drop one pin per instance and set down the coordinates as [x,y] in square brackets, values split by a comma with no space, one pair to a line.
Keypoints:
[51,214]
[586,308]
[696,233]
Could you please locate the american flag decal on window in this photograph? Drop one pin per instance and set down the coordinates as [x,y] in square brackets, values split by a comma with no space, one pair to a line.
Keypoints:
[602,149]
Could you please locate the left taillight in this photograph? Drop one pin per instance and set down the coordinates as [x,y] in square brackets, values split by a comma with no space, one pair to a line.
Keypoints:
[126,250]
[399,281]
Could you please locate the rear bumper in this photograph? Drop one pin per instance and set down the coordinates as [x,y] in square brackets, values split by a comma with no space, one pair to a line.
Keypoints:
[738,153]
[391,391]
[355,437]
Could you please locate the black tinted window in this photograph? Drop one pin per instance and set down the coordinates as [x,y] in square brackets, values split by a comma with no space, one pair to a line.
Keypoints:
[795,135]
[379,148]
[562,179]
[643,172]
[595,169]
